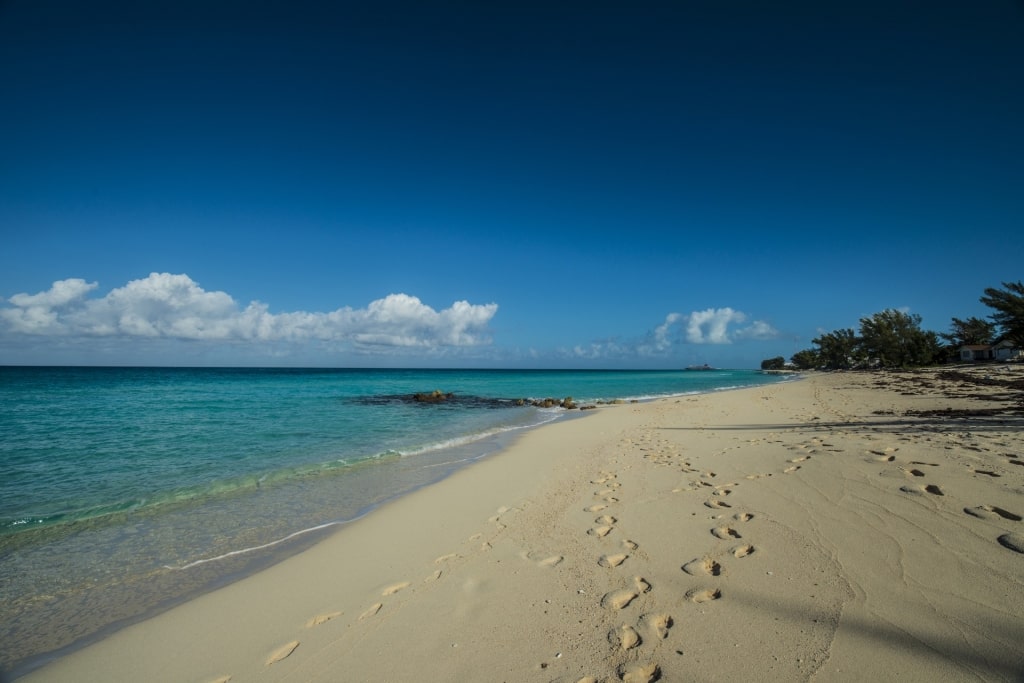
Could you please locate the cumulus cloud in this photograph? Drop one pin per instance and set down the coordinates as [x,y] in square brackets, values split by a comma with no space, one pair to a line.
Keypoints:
[709,326]
[662,340]
[167,306]
[759,329]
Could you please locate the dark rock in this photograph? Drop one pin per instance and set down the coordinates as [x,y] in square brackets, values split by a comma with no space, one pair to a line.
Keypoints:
[435,396]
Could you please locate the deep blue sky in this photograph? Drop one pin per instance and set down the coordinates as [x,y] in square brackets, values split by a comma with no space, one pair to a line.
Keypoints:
[601,182]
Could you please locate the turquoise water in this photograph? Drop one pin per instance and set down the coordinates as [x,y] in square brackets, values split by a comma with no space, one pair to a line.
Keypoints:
[123,490]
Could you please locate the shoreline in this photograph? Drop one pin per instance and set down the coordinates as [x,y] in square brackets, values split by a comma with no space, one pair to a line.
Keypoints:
[671,534]
[87,612]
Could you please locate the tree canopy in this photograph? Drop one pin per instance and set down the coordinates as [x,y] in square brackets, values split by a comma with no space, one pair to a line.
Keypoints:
[806,359]
[970,331]
[894,339]
[838,349]
[1009,309]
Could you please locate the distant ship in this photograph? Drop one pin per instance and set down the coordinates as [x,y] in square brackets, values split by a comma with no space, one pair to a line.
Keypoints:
[700,367]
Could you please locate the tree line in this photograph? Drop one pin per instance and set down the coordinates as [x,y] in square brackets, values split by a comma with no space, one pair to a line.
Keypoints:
[894,339]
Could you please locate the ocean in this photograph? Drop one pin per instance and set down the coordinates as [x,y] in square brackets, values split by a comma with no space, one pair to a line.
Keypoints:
[124,491]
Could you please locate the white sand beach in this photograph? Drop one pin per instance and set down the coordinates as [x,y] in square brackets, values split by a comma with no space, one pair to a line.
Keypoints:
[811,530]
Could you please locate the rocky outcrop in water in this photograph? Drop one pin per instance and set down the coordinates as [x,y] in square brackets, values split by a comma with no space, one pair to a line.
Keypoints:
[438,397]
[433,397]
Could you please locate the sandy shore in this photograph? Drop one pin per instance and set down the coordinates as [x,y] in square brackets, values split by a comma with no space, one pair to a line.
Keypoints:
[808,530]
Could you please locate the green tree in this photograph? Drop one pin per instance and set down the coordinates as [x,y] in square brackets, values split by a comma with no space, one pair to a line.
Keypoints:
[1009,310]
[838,350]
[897,340]
[970,331]
[806,359]
[777,363]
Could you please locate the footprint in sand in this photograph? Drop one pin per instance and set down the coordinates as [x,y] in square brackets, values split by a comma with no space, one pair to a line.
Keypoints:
[741,551]
[641,584]
[391,590]
[373,609]
[552,561]
[322,619]
[1014,542]
[433,577]
[629,545]
[790,470]
[611,561]
[743,516]
[702,565]
[926,464]
[657,625]
[725,532]
[912,473]
[716,504]
[445,558]
[605,519]
[282,652]
[619,599]
[625,637]
[699,595]
[530,556]
[639,673]
[918,490]
[987,473]
[992,512]
[601,531]
[496,519]
[1016,462]
[800,459]
[595,508]
[883,457]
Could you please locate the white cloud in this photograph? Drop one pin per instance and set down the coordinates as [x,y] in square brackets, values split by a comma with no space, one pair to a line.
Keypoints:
[166,306]
[711,326]
[40,313]
[662,341]
[758,329]
[599,350]
[61,293]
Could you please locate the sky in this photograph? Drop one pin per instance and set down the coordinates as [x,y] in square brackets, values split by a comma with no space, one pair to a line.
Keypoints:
[499,184]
